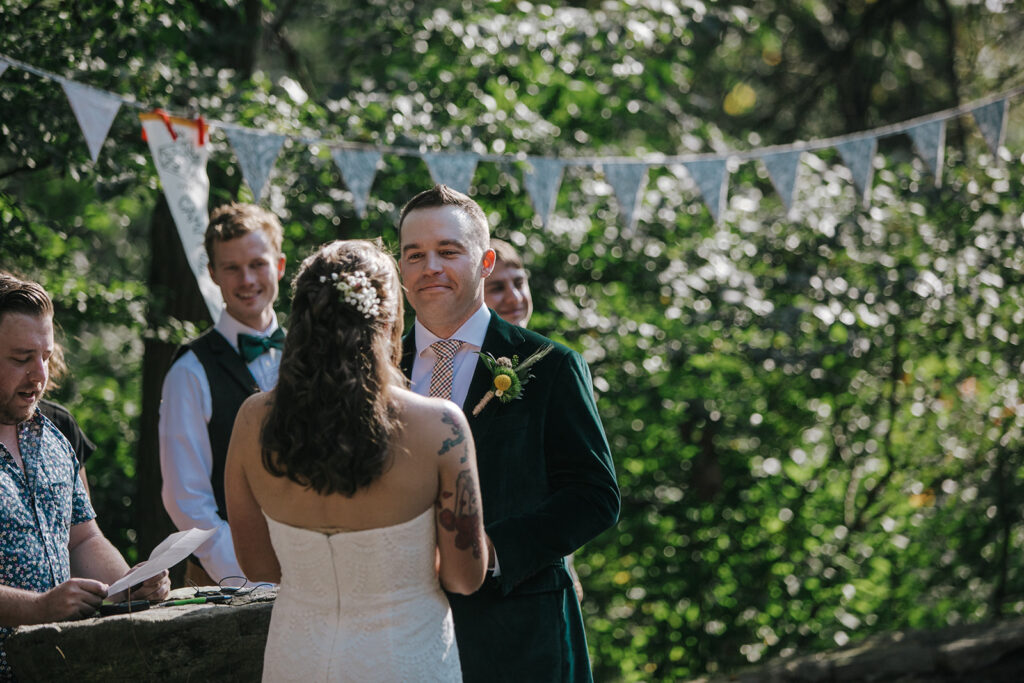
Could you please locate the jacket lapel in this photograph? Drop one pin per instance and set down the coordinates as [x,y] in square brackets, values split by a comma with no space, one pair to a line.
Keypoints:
[502,339]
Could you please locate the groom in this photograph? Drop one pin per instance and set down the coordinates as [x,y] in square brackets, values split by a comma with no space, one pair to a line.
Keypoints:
[546,474]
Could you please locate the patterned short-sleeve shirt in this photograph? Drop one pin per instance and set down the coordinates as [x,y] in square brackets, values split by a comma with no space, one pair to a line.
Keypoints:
[37,509]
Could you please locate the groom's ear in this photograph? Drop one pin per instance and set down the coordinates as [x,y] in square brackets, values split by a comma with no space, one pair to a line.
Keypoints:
[488,262]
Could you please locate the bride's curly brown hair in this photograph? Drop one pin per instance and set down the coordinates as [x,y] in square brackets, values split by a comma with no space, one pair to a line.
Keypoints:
[333,412]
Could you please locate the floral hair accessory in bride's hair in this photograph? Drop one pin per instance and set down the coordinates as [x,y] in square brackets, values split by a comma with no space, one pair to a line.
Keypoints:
[357,291]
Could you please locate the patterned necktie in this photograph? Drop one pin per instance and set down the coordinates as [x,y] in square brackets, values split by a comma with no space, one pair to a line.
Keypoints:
[441,379]
[251,347]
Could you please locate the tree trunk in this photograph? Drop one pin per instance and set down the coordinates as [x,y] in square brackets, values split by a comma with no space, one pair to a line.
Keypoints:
[175,294]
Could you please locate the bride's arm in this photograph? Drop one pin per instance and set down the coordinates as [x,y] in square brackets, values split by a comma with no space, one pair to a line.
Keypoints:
[249,530]
[459,511]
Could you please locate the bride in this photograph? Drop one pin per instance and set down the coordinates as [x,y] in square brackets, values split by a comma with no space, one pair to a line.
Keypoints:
[358,496]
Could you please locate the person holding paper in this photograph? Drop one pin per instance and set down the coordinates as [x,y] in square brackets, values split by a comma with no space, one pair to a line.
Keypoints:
[55,563]
[213,374]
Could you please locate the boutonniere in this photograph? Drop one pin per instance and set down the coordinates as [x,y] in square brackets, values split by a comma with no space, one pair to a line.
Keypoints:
[508,377]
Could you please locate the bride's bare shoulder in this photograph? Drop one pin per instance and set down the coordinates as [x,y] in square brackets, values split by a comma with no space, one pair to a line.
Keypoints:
[423,412]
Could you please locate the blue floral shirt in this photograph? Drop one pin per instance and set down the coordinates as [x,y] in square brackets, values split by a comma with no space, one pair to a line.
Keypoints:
[37,509]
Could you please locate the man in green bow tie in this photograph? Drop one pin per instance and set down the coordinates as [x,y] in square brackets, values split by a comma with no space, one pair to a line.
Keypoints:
[214,374]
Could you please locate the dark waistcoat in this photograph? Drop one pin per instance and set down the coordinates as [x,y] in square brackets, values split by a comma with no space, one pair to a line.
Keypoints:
[230,384]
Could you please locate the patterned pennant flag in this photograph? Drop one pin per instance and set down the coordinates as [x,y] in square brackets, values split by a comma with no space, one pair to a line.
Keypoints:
[991,120]
[782,168]
[626,180]
[358,168]
[95,111]
[930,143]
[181,166]
[857,156]
[710,176]
[257,152]
[453,170]
[542,180]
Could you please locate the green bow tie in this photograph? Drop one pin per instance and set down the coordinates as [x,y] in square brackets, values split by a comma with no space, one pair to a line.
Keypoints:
[252,347]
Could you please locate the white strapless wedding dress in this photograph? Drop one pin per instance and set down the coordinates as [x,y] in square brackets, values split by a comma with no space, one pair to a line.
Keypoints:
[360,606]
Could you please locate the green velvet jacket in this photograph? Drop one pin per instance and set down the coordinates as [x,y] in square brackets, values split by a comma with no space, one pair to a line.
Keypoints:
[548,486]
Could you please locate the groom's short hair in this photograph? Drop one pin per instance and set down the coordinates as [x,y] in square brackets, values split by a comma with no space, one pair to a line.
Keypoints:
[442,195]
[237,220]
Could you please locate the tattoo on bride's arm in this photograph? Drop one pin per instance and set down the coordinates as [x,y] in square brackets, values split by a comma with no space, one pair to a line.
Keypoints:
[458,437]
[464,516]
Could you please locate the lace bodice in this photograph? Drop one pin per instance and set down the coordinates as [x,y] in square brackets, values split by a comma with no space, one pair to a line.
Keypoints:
[360,605]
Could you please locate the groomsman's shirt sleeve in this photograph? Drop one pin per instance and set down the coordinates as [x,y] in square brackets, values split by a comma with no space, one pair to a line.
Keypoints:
[186,464]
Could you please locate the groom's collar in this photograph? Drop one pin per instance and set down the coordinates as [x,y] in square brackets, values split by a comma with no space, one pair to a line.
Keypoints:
[472,332]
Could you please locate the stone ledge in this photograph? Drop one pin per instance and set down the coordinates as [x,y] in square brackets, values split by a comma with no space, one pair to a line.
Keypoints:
[979,653]
[222,642]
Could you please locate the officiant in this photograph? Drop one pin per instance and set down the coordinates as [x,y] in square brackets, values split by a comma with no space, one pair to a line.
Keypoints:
[55,563]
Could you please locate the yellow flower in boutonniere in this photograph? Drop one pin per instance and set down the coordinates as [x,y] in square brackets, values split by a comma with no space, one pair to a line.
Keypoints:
[508,376]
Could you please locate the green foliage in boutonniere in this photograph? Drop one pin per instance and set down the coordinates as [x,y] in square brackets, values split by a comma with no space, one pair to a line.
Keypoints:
[508,377]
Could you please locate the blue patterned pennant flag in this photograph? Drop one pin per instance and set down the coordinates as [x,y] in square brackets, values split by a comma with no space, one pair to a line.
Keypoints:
[930,144]
[256,151]
[626,180]
[857,156]
[453,170]
[358,168]
[782,168]
[710,176]
[542,180]
[991,120]
[95,111]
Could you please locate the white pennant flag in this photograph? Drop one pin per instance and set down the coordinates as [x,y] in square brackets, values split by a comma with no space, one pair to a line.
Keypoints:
[626,180]
[181,164]
[358,168]
[453,170]
[542,179]
[930,144]
[95,111]
[857,156]
[991,120]
[257,152]
[782,168]
[710,176]
[3,66]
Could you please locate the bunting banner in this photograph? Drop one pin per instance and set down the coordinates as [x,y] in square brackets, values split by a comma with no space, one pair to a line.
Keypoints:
[95,111]
[358,168]
[781,167]
[710,176]
[542,179]
[991,120]
[256,152]
[857,155]
[180,162]
[627,180]
[929,140]
[453,170]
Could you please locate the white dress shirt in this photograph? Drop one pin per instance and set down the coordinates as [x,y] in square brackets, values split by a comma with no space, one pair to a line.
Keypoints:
[186,457]
[471,334]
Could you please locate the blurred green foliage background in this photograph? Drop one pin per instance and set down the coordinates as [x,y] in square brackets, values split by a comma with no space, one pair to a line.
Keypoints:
[816,415]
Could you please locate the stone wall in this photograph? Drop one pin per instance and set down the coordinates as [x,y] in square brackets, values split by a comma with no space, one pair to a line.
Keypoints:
[992,653]
[179,643]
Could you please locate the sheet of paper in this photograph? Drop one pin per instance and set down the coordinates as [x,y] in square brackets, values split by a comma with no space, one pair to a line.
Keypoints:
[170,552]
